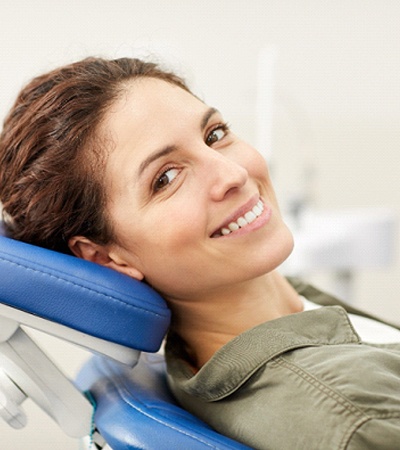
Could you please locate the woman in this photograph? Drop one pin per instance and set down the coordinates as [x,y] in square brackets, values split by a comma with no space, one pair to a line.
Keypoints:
[119,163]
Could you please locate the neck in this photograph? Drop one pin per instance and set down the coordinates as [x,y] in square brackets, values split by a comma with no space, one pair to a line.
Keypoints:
[206,324]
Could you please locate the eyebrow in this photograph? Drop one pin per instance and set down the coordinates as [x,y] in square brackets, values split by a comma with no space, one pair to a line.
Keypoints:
[208,114]
[172,148]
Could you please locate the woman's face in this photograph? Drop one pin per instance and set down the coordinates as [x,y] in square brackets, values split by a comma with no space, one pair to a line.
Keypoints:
[177,180]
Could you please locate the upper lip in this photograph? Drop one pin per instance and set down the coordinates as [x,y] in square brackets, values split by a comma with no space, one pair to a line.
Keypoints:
[238,213]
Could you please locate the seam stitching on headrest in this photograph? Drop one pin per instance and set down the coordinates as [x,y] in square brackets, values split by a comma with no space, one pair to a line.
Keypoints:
[82,287]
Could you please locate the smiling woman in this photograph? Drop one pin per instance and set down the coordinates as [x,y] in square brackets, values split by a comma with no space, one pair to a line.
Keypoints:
[117,162]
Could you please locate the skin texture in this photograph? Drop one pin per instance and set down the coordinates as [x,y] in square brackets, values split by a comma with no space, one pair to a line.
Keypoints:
[175,176]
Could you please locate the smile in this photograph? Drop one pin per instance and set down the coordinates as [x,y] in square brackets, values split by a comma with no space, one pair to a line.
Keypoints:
[241,222]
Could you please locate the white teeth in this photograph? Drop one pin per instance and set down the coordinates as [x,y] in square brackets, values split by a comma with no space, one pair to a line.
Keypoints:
[250,217]
[241,222]
[233,226]
[257,211]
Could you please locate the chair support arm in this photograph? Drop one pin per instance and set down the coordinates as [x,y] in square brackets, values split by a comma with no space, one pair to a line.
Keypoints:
[37,377]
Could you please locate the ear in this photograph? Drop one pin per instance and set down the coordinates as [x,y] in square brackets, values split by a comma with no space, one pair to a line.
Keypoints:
[84,248]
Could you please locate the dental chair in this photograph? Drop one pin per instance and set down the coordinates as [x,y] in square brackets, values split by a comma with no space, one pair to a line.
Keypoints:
[120,400]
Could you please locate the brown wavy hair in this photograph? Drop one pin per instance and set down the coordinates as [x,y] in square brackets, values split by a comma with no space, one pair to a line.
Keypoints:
[52,158]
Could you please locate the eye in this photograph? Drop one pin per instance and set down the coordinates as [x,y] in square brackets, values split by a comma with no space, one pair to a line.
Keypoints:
[166,178]
[217,133]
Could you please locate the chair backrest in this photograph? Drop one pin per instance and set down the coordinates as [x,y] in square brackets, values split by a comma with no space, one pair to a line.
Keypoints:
[139,403]
[76,300]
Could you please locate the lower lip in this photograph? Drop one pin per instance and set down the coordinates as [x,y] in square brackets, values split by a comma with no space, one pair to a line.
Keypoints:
[258,223]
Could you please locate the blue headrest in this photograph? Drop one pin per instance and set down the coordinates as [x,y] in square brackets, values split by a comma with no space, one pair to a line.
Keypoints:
[81,295]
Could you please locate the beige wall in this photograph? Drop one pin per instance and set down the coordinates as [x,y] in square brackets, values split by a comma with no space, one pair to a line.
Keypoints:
[337,94]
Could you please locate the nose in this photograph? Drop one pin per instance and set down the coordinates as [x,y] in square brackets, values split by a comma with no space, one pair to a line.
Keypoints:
[225,176]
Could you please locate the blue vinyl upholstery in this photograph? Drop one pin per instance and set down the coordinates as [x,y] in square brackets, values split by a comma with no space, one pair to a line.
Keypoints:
[138,402]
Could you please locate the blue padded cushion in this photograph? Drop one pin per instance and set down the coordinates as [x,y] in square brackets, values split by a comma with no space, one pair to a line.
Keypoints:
[135,409]
[81,295]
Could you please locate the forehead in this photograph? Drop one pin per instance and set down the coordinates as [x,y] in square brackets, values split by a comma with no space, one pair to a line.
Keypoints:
[145,98]
[147,105]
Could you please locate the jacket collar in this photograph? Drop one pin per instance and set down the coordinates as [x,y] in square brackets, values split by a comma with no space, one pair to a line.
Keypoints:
[238,360]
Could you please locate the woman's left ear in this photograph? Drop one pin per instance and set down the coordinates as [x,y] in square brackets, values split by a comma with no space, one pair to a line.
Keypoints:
[84,248]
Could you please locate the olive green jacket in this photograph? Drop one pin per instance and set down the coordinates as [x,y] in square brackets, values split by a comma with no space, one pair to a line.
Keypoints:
[303,381]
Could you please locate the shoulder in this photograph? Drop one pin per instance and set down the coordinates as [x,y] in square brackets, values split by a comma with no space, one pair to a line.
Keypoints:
[325,299]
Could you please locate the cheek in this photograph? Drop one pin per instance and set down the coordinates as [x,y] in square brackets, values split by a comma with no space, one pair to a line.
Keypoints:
[170,250]
[261,167]
[255,164]
[175,228]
